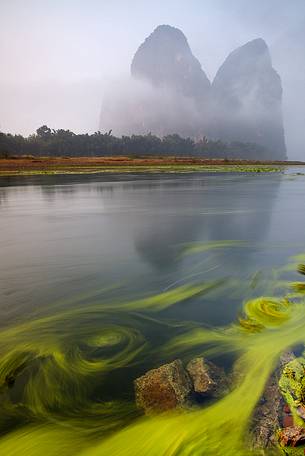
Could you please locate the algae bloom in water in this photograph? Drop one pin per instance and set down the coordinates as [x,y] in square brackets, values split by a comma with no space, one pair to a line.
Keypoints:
[54,369]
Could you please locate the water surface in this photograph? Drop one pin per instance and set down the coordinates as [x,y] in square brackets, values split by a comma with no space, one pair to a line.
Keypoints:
[75,249]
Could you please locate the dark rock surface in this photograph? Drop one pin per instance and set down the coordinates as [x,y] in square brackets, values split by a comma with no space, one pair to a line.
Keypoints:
[172,386]
[162,389]
[206,377]
[266,420]
[247,99]
[271,412]
[292,436]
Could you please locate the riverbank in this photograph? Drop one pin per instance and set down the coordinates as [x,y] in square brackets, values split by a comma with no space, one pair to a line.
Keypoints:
[94,165]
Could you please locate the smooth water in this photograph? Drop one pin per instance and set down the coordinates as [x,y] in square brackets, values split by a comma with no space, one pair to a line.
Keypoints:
[105,277]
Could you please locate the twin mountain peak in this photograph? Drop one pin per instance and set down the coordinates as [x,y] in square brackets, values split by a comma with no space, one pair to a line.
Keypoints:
[243,103]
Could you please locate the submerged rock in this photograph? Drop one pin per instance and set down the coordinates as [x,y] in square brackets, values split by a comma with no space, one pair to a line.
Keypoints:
[271,412]
[292,436]
[287,419]
[266,420]
[206,377]
[172,386]
[301,412]
[165,388]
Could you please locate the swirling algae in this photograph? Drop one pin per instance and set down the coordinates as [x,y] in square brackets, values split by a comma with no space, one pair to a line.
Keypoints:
[53,371]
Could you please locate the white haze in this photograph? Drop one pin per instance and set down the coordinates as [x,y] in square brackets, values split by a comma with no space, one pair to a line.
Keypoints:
[59,58]
[135,107]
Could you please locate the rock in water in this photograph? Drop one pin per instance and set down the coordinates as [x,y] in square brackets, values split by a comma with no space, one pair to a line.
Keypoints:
[163,389]
[267,414]
[166,60]
[292,436]
[271,412]
[247,100]
[207,378]
[292,384]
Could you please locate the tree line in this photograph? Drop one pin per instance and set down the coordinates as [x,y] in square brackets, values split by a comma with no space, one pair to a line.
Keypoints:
[50,142]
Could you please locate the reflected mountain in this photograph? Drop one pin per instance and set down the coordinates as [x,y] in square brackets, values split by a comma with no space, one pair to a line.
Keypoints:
[197,210]
[86,233]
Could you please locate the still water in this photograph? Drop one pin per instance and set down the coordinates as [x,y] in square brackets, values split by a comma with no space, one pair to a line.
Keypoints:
[100,274]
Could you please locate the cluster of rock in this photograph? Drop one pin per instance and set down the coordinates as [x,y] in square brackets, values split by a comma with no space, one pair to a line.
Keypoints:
[279,417]
[173,386]
[243,103]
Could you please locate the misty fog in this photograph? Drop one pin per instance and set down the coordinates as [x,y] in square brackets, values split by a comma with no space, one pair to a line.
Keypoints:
[135,107]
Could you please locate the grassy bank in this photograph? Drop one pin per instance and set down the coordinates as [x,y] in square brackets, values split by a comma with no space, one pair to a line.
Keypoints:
[95,165]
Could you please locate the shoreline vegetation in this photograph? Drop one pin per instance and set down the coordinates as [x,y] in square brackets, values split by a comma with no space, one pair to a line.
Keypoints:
[48,142]
[54,152]
[29,165]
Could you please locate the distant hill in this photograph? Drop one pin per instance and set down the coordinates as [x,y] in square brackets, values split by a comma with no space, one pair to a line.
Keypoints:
[170,93]
[247,99]
[165,60]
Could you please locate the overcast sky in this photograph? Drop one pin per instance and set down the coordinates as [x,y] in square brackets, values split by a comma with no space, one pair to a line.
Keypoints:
[59,56]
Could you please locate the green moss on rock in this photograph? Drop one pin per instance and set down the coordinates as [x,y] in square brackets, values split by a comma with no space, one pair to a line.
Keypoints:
[292,383]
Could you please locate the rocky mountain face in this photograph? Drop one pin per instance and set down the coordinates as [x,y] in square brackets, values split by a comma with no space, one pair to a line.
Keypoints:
[166,61]
[170,93]
[175,91]
[247,99]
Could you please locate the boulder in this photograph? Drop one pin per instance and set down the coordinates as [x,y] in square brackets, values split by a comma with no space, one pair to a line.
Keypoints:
[292,436]
[206,377]
[165,388]
[172,386]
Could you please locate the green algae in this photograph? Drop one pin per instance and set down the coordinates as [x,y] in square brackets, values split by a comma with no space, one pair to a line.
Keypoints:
[199,247]
[53,369]
[144,169]
[292,386]
[296,451]
[292,381]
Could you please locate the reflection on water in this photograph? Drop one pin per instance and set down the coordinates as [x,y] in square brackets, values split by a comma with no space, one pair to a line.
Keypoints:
[80,234]
[102,279]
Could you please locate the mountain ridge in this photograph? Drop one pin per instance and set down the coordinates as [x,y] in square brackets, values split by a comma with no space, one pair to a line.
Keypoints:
[242,103]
